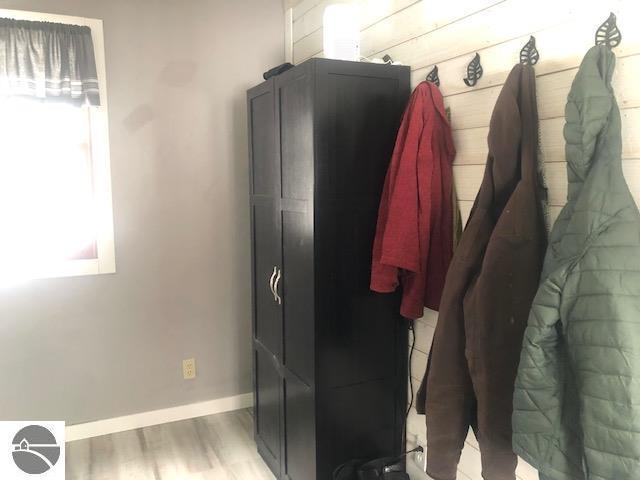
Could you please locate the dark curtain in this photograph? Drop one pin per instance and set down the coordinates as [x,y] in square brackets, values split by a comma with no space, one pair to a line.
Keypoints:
[50,61]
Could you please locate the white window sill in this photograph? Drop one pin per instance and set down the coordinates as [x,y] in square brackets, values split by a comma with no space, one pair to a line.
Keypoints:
[70,268]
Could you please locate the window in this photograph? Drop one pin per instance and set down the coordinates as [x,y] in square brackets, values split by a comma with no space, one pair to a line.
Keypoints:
[55,185]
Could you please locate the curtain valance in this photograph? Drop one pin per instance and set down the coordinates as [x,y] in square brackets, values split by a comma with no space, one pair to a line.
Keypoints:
[47,60]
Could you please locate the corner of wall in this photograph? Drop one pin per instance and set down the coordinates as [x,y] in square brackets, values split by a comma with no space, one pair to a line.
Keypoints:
[288,35]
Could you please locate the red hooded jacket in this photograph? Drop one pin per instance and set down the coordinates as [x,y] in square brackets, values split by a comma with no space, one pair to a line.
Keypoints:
[414,236]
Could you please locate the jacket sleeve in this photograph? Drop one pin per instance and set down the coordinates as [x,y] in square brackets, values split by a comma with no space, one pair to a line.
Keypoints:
[396,242]
[538,390]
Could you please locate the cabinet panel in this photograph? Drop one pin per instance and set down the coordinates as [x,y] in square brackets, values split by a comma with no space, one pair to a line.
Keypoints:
[300,434]
[264,172]
[268,395]
[297,260]
[362,325]
[361,371]
[294,100]
[371,411]
[266,261]
[265,221]
[362,122]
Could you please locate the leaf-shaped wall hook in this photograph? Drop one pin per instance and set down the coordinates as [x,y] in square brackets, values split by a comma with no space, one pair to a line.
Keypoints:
[432,76]
[474,71]
[608,33]
[529,54]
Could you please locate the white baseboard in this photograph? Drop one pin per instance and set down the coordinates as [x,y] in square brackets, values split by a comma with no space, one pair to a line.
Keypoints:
[156,417]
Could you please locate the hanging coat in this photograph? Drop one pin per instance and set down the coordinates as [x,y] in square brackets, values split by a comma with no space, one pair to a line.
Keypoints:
[487,296]
[577,398]
[414,236]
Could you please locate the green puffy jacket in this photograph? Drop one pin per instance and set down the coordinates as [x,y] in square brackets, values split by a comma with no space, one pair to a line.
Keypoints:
[577,396]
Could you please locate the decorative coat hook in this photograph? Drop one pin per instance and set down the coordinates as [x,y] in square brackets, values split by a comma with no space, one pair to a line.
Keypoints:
[529,54]
[432,76]
[387,59]
[474,71]
[608,33]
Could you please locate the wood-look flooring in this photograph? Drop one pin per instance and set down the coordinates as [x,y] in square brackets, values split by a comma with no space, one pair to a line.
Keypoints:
[216,447]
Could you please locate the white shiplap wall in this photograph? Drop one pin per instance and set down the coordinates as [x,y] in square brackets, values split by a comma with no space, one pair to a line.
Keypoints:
[448,33]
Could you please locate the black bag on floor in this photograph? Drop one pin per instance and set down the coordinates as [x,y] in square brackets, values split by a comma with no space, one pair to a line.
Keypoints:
[387,468]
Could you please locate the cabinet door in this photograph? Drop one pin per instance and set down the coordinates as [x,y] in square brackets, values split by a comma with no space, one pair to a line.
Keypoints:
[265,218]
[294,114]
[266,254]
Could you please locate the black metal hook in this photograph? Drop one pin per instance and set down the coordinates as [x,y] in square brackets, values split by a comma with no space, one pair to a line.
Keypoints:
[432,76]
[529,54]
[608,33]
[474,71]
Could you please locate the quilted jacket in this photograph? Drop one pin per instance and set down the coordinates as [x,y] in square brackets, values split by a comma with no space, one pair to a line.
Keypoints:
[577,398]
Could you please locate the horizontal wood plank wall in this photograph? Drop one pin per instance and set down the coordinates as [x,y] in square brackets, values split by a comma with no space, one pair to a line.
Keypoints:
[424,33]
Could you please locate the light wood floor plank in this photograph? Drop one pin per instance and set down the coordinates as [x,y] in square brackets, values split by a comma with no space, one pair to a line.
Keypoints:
[216,447]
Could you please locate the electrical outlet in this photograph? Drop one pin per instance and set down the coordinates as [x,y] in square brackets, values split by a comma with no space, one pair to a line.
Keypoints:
[189,368]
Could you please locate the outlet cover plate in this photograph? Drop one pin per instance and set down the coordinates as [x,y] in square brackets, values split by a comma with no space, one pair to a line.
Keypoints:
[189,368]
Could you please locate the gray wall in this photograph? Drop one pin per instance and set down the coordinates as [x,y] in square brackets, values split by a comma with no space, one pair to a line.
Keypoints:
[88,348]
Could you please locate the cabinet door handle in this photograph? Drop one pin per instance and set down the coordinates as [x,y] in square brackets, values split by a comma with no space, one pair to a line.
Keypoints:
[273,275]
[275,287]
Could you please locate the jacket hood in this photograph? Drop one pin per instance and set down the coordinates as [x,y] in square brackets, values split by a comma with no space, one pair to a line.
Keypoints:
[513,128]
[590,104]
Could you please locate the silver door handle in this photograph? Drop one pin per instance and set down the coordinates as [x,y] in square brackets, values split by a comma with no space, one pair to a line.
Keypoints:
[273,292]
[275,287]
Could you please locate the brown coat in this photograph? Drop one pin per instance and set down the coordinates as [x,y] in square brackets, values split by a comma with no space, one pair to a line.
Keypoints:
[487,296]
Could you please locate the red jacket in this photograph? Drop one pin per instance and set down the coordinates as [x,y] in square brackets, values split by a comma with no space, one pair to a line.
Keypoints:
[414,237]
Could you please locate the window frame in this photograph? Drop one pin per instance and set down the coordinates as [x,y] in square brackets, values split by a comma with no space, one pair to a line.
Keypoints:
[100,158]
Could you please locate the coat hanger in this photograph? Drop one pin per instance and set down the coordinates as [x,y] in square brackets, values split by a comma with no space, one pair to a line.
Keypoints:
[474,71]
[529,54]
[432,76]
[608,33]
[387,59]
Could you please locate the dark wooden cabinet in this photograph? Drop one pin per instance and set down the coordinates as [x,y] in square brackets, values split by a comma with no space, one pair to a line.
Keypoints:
[329,355]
